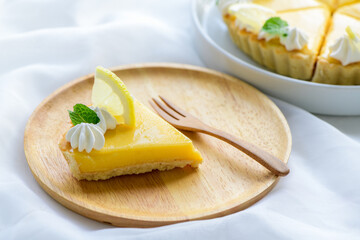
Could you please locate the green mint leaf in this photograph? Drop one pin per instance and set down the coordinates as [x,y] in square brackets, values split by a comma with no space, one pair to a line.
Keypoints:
[83,114]
[75,118]
[275,26]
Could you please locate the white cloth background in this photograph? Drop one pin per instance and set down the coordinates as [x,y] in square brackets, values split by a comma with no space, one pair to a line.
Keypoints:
[44,44]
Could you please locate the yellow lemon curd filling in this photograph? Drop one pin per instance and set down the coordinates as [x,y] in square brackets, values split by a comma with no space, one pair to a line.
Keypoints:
[152,140]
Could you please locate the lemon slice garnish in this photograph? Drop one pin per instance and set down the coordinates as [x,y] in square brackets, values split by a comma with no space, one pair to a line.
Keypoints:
[111,93]
[251,14]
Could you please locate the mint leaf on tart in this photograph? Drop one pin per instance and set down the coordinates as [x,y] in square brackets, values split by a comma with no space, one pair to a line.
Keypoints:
[276,26]
[83,114]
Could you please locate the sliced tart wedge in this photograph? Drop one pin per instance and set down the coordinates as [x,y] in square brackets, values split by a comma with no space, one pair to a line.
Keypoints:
[141,143]
[330,69]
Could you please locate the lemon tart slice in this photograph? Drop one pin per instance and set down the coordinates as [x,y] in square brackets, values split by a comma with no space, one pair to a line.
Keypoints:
[142,143]
[308,17]
[342,65]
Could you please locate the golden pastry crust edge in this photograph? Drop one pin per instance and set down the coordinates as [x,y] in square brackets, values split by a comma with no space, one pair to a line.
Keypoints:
[333,72]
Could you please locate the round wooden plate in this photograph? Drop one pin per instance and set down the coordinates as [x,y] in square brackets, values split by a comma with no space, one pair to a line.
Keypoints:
[227,181]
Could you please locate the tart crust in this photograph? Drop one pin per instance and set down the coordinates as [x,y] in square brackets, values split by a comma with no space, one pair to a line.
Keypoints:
[331,71]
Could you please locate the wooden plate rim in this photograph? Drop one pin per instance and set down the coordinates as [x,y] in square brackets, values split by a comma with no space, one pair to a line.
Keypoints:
[126,221]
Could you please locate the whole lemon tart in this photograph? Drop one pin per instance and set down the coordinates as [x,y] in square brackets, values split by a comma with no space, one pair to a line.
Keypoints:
[310,40]
[119,135]
[304,21]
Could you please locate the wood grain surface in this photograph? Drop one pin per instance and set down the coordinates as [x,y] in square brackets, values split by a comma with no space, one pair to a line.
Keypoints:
[227,181]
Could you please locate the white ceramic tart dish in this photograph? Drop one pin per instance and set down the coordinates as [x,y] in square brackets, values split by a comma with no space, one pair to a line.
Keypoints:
[218,51]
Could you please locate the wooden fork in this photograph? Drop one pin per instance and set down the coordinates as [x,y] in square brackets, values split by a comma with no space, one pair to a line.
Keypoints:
[185,121]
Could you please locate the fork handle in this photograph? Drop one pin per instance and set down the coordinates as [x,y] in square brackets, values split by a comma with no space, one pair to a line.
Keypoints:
[272,163]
